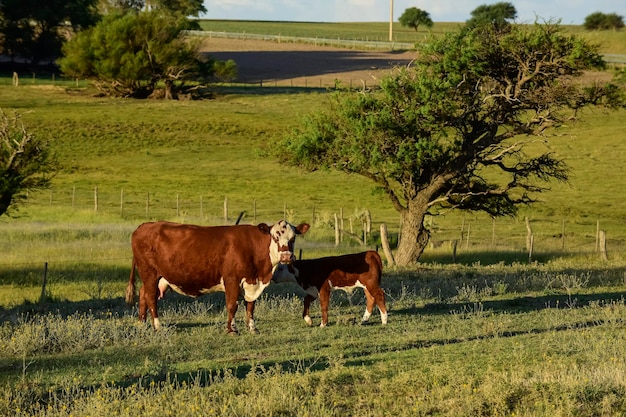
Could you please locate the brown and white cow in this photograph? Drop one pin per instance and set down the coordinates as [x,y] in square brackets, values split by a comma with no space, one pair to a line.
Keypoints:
[197,260]
[319,276]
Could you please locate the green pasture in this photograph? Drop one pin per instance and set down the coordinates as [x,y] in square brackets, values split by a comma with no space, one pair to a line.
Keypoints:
[611,42]
[489,334]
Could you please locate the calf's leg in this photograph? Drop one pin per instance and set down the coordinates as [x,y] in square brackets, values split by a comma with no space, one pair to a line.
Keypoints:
[379,296]
[308,299]
[369,306]
[324,301]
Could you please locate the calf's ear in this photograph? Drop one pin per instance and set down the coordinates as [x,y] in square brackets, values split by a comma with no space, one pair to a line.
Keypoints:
[264,228]
[302,228]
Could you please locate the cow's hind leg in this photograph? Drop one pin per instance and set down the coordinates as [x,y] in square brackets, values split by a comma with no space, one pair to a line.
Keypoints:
[143,308]
[151,295]
[250,317]
[232,294]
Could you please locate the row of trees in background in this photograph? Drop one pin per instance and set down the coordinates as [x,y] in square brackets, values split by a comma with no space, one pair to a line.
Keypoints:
[504,13]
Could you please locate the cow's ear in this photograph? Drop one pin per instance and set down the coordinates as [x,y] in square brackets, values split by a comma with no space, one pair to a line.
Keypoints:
[264,228]
[302,228]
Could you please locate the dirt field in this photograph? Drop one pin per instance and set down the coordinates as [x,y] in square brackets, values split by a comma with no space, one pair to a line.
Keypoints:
[303,64]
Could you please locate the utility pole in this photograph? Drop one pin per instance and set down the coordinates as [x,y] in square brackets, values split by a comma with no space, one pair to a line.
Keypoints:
[390,20]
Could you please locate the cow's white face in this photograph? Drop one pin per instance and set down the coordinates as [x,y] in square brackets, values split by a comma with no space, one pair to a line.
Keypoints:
[283,237]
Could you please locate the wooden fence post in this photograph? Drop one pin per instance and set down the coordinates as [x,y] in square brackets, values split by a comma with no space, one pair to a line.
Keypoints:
[454,244]
[597,235]
[529,234]
[122,203]
[385,242]
[42,297]
[226,209]
[531,242]
[341,223]
[148,206]
[336,231]
[602,243]
[95,199]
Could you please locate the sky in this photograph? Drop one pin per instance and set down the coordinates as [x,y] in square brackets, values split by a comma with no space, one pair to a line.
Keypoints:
[568,11]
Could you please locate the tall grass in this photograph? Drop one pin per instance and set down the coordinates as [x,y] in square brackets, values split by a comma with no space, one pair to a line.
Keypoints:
[481,341]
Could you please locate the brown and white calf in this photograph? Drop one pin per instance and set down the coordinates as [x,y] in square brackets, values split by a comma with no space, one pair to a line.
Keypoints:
[319,276]
[197,260]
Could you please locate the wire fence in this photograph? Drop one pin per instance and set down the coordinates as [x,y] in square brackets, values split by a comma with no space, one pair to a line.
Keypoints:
[346,228]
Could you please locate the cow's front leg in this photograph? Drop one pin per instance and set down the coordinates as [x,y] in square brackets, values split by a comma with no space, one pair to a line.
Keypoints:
[369,307]
[231,307]
[250,317]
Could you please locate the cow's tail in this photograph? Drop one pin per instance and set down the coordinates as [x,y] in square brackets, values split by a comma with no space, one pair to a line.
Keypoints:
[130,288]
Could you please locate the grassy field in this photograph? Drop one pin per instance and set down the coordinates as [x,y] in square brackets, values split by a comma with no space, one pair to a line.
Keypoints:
[489,335]
[611,42]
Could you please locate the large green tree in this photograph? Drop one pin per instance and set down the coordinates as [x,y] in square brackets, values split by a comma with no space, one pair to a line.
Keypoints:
[26,162]
[498,14]
[133,54]
[602,21]
[457,129]
[34,30]
[414,17]
[183,7]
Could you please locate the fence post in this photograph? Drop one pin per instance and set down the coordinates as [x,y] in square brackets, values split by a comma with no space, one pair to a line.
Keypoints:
[529,234]
[95,199]
[530,248]
[148,206]
[42,297]
[226,209]
[597,235]
[385,242]
[177,205]
[341,223]
[122,203]
[454,244]
[602,243]
[336,231]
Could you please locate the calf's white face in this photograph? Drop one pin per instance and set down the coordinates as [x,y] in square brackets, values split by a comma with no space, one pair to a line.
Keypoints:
[283,237]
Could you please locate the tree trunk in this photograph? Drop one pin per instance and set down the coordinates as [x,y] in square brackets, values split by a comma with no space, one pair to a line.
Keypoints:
[414,236]
[169,90]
